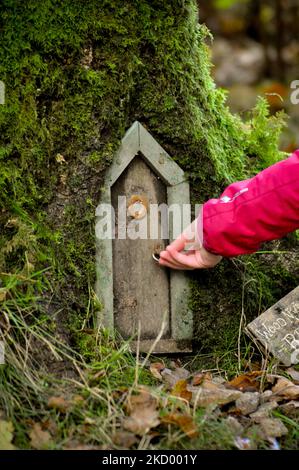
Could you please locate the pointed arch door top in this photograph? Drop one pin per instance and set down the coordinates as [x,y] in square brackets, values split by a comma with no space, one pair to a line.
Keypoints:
[138,139]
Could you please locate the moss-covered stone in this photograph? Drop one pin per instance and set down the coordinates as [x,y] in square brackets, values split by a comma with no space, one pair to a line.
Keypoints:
[78,73]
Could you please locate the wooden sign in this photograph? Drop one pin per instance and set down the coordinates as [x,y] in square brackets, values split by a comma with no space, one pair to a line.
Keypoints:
[277,329]
[134,291]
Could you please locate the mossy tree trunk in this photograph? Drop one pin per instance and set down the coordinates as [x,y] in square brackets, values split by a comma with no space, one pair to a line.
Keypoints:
[78,73]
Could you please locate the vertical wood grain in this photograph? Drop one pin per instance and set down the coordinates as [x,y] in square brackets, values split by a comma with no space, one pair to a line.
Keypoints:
[141,287]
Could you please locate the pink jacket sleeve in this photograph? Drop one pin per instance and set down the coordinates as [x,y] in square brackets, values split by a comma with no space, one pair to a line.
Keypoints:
[263,208]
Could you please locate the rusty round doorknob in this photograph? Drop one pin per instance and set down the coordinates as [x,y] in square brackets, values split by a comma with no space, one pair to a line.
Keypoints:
[137,207]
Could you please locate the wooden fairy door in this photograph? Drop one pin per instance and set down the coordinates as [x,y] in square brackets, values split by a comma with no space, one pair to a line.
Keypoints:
[135,293]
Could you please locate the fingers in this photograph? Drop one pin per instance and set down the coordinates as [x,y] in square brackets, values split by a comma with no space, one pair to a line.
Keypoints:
[166,257]
[188,236]
[168,264]
[171,259]
[167,260]
[179,243]
[196,258]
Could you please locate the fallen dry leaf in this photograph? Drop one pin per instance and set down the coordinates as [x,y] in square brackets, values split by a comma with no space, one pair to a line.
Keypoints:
[58,403]
[156,368]
[272,378]
[143,413]
[199,377]
[142,399]
[263,411]
[211,384]
[6,435]
[290,408]
[235,427]
[267,395]
[210,393]
[39,439]
[180,390]
[184,421]
[171,377]
[246,382]
[219,380]
[290,404]
[141,421]
[273,427]
[286,389]
[248,403]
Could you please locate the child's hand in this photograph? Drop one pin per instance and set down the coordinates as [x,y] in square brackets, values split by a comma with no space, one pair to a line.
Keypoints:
[187,253]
